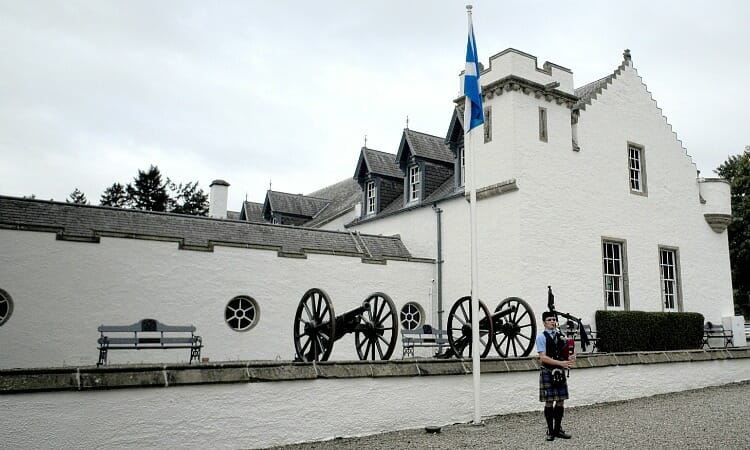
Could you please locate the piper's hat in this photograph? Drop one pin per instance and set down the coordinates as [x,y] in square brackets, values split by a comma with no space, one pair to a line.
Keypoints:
[548,314]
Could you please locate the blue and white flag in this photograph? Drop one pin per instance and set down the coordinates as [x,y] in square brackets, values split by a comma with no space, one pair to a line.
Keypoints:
[473,92]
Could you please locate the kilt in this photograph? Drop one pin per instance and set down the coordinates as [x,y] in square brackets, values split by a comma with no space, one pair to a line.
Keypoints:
[547,392]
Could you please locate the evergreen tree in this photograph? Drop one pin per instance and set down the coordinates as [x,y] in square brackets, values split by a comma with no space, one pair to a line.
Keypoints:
[148,192]
[736,170]
[77,197]
[116,196]
[188,199]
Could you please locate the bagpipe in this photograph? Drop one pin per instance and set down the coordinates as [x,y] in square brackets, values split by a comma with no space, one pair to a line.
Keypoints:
[573,326]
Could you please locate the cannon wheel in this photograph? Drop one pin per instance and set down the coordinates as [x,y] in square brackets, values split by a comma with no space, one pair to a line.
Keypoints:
[314,326]
[516,333]
[459,327]
[378,327]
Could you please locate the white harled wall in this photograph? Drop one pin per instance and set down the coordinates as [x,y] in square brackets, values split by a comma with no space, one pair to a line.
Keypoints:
[62,291]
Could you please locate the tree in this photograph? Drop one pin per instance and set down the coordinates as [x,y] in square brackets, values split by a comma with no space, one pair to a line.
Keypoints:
[148,192]
[77,197]
[188,199]
[116,196]
[736,170]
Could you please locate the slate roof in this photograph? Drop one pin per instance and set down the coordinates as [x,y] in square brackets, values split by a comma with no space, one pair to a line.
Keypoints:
[88,223]
[427,146]
[251,212]
[295,204]
[343,195]
[381,163]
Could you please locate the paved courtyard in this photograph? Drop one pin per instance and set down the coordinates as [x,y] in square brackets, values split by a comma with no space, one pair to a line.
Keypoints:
[714,417]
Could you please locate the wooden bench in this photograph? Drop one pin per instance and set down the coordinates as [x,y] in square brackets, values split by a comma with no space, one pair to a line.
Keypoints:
[711,331]
[424,336]
[148,334]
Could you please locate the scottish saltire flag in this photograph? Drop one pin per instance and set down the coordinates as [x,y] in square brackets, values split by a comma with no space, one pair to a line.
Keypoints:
[471,82]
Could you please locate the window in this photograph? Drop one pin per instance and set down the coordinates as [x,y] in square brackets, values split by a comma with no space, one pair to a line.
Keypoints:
[670,289]
[543,124]
[370,197]
[462,161]
[487,124]
[614,274]
[411,316]
[6,307]
[414,183]
[636,164]
[242,313]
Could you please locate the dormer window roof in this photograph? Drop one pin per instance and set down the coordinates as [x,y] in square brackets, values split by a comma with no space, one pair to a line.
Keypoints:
[424,146]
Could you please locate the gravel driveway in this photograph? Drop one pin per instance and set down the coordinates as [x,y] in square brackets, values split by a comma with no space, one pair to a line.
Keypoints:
[714,417]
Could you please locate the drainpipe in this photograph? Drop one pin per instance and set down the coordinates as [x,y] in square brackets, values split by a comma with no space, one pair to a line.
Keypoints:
[438,213]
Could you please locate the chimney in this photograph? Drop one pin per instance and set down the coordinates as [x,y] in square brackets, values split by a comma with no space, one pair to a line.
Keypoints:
[217,201]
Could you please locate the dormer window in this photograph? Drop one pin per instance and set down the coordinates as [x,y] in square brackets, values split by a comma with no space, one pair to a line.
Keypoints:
[414,183]
[370,190]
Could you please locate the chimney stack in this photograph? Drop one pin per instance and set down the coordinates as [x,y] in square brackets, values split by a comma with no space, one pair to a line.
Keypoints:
[217,206]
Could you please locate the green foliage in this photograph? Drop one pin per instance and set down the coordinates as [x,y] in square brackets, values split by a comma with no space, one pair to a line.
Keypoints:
[115,196]
[736,170]
[148,192]
[77,197]
[630,331]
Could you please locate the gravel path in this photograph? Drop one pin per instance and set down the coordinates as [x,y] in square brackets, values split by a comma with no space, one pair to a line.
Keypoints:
[714,417]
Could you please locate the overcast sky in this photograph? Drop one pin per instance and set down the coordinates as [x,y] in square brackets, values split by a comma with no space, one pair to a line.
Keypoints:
[285,91]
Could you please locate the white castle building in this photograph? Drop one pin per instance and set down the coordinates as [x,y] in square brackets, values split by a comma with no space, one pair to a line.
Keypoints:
[586,189]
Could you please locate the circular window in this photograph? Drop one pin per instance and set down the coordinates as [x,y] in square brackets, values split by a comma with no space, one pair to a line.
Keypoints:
[411,316]
[6,307]
[242,313]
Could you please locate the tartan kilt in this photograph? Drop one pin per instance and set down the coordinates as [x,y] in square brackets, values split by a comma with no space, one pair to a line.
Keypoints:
[547,392]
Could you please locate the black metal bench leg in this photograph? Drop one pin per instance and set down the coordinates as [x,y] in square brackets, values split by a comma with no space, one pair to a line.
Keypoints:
[195,354]
[102,357]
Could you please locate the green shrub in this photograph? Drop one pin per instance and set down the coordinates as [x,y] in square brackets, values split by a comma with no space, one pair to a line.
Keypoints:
[631,331]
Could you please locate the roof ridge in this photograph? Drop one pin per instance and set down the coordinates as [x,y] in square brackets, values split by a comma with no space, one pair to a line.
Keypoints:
[423,133]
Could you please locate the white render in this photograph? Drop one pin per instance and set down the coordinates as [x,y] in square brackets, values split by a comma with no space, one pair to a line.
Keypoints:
[256,415]
[550,230]
[64,290]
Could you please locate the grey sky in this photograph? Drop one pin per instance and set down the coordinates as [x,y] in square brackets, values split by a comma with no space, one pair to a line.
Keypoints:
[247,91]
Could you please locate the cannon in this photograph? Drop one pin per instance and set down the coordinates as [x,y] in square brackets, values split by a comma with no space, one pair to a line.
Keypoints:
[316,327]
[511,328]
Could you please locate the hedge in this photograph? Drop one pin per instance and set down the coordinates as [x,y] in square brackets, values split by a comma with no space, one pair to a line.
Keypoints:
[630,331]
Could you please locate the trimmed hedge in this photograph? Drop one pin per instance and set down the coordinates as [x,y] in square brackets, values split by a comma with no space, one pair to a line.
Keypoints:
[631,331]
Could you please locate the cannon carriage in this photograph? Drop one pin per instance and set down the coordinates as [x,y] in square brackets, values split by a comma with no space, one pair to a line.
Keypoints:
[316,327]
[510,328]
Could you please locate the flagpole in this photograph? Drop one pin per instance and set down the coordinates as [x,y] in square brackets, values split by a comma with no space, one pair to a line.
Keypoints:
[476,366]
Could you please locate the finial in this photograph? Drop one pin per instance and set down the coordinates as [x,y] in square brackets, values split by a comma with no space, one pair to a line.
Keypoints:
[269,184]
[365,141]
[626,54]
[407,122]
[468,8]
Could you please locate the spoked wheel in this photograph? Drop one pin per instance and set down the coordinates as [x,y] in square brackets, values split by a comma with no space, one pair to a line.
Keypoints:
[515,332]
[459,328]
[314,326]
[376,334]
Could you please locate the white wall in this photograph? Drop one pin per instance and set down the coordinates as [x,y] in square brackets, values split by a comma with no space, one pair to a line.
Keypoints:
[62,291]
[253,415]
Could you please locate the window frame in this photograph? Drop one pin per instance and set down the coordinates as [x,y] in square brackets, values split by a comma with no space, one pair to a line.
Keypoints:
[640,170]
[622,277]
[487,129]
[6,299]
[418,310]
[675,280]
[253,306]
[415,183]
[370,197]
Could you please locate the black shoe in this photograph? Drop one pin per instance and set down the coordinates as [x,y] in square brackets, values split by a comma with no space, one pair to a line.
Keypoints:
[550,436]
[562,434]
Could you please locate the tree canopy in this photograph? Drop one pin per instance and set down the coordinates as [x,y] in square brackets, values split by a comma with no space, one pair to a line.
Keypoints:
[77,197]
[736,170]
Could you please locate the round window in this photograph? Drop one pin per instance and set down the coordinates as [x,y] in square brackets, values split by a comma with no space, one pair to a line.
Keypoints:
[242,313]
[6,307]
[412,316]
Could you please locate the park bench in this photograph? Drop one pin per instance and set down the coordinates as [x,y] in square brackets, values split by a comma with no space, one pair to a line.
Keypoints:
[148,334]
[711,331]
[593,340]
[424,336]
